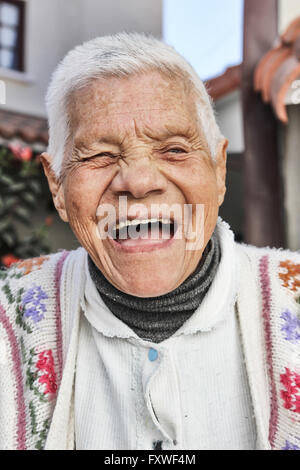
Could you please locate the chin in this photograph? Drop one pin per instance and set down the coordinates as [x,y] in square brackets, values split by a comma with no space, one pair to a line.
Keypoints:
[150,288]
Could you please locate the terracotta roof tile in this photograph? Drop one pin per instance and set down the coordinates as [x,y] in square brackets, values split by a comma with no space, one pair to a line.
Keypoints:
[292,32]
[278,69]
[224,84]
[281,83]
[29,128]
[297,48]
[268,67]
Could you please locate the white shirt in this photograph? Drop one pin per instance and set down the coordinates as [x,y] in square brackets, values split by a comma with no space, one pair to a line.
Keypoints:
[188,392]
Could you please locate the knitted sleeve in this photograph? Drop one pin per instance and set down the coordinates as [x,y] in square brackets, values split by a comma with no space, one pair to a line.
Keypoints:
[30,350]
[279,277]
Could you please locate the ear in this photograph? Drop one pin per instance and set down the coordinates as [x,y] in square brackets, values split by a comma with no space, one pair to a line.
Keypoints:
[55,186]
[220,165]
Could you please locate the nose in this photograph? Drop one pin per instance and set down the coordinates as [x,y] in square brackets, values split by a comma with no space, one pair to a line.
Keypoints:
[139,178]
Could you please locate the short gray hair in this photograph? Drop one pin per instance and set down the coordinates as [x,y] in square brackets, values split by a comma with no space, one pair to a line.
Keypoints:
[120,55]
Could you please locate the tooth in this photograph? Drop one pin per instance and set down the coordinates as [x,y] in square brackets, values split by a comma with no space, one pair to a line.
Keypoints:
[139,221]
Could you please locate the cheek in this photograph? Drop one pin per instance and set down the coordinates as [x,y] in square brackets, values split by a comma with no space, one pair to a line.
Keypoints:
[195,179]
[83,191]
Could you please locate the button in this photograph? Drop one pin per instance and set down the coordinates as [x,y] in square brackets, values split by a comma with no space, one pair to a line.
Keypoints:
[152,354]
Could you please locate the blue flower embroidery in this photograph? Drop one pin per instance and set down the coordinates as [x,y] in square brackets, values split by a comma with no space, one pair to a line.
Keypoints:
[291,328]
[33,305]
[289,446]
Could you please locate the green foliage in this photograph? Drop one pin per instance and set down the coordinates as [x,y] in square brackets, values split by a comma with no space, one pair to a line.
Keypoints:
[21,192]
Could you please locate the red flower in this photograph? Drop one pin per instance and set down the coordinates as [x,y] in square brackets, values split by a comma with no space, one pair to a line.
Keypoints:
[9,259]
[49,220]
[24,154]
[46,365]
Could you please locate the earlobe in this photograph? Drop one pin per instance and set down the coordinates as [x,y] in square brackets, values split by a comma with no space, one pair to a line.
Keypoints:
[59,203]
[55,186]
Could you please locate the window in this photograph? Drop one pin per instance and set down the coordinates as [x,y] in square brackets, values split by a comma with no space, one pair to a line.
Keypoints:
[12,34]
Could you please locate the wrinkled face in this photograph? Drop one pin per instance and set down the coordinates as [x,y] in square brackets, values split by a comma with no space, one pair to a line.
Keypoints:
[139,138]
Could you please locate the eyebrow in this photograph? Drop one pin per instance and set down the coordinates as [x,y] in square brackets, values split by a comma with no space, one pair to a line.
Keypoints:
[185,132]
[88,146]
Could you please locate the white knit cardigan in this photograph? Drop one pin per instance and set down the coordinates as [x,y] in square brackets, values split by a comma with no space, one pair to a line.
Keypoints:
[40,311]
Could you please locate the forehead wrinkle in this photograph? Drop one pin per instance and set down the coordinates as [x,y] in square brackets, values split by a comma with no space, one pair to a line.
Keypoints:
[93,89]
[118,131]
[141,131]
[168,130]
[115,135]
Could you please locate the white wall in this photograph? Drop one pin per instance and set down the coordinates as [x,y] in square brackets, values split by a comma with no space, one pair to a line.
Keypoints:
[288,11]
[101,17]
[230,119]
[55,26]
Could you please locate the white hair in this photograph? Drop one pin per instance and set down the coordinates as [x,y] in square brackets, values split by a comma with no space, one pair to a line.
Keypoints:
[120,55]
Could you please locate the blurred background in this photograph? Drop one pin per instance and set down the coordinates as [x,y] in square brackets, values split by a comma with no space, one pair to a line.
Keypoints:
[247,52]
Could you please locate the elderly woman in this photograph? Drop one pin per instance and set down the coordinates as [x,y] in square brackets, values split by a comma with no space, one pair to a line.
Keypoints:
[159,332]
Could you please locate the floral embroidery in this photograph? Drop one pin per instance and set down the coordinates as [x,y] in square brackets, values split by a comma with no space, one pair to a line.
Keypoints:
[29,359]
[291,328]
[38,375]
[45,364]
[290,446]
[32,303]
[32,264]
[291,396]
[290,275]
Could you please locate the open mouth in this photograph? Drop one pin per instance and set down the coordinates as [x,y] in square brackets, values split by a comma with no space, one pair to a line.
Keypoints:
[146,232]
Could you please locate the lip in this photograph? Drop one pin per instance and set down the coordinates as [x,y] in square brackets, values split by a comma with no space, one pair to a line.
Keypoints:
[143,248]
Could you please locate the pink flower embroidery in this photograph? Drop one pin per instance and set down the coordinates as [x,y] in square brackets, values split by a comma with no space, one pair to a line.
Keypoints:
[45,364]
[291,396]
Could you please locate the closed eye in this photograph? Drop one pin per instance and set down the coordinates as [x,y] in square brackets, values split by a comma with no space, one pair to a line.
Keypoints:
[104,154]
[176,150]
